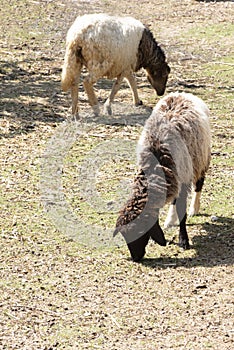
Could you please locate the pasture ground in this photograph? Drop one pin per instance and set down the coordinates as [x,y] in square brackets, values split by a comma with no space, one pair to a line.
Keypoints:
[57,293]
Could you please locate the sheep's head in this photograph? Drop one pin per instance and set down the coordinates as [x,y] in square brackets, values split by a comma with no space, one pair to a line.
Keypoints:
[137,234]
[138,220]
[158,76]
[137,223]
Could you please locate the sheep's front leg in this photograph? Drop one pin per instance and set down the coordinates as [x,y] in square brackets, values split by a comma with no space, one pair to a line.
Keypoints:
[88,86]
[181,205]
[115,89]
[132,83]
[195,203]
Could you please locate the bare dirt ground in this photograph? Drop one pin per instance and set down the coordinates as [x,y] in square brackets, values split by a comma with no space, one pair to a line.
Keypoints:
[57,293]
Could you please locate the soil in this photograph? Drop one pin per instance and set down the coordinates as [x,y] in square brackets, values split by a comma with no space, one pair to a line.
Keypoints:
[57,292]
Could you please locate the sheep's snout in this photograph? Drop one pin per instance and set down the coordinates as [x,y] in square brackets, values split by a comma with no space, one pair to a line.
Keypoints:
[160,92]
[158,78]
[136,257]
[159,85]
[137,247]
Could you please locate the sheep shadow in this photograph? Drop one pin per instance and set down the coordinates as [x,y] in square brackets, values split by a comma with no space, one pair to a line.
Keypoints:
[215,0]
[29,95]
[123,114]
[32,95]
[214,247]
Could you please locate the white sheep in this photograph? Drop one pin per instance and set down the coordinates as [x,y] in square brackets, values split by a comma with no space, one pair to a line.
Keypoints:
[112,47]
[173,153]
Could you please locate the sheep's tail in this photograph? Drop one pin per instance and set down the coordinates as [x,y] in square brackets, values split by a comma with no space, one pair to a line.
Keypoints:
[71,67]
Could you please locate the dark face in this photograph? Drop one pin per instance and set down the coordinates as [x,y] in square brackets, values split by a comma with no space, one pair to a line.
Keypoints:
[158,78]
[137,247]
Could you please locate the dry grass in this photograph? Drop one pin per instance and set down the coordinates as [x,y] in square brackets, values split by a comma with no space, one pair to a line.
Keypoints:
[58,293]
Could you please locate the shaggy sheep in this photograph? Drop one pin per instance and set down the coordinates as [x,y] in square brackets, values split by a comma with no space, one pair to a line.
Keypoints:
[112,47]
[173,153]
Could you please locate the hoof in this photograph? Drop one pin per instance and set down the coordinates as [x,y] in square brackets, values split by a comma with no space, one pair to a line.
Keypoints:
[96,110]
[73,117]
[184,244]
[140,103]
[107,110]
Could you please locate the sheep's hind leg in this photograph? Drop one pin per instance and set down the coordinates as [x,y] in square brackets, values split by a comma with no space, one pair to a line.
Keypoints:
[74,96]
[132,83]
[172,218]
[75,89]
[181,204]
[88,86]
[115,89]
[195,203]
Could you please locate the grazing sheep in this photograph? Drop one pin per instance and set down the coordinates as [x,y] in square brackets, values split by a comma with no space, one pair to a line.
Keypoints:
[173,153]
[111,47]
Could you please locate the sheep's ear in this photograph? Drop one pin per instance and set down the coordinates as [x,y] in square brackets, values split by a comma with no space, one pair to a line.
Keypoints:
[116,231]
[157,235]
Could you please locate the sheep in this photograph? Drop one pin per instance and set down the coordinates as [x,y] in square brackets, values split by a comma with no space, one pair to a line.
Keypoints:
[173,155]
[112,47]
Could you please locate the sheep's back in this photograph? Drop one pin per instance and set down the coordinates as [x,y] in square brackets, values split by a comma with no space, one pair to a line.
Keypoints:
[107,39]
[189,115]
[180,123]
